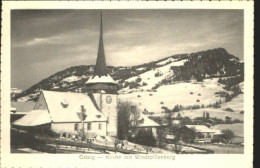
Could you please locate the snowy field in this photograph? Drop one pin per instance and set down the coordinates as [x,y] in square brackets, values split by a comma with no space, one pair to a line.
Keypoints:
[185,94]
[236,104]
[237,128]
[218,113]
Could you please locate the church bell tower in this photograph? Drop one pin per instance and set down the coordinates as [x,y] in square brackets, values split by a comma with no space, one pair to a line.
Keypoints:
[104,88]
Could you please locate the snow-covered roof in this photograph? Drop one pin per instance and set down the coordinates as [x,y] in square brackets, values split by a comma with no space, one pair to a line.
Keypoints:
[74,102]
[34,118]
[144,121]
[101,79]
[177,115]
[200,128]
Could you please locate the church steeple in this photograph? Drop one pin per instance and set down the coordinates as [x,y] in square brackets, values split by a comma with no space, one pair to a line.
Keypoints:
[101,80]
[101,67]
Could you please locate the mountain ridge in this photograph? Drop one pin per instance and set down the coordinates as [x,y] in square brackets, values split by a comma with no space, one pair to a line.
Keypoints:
[198,65]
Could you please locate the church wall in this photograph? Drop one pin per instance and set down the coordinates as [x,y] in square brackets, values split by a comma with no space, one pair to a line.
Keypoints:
[41,103]
[109,109]
[97,98]
[70,128]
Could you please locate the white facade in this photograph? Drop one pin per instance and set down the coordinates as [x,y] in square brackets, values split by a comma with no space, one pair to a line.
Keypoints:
[107,104]
[91,129]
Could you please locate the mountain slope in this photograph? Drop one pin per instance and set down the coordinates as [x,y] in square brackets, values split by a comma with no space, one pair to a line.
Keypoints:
[148,76]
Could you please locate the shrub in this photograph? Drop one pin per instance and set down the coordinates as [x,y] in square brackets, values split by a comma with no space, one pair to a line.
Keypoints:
[144,84]
[157,74]
[126,84]
[199,94]
[150,94]
[198,100]
[241,112]
[133,85]
[138,96]
[191,93]
[138,80]
[229,109]
[162,103]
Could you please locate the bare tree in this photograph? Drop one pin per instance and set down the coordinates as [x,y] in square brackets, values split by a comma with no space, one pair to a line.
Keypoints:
[228,135]
[128,116]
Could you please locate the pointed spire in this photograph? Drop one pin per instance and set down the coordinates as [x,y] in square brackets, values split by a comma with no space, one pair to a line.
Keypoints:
[101,68]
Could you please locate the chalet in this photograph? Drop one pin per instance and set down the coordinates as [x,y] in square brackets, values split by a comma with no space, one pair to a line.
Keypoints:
[67,113]
[196,133]
[143,123]
[177,117]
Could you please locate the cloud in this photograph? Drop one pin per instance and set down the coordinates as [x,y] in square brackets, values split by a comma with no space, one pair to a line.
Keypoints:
[56,39]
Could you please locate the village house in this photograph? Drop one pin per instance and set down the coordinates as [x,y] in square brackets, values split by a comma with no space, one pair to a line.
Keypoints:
[177,117]
[142,122]
[196,133]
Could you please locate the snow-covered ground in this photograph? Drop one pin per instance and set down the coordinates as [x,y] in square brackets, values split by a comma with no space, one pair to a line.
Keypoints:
[236,104]
[218,113]
[73,78]
[186,94]
[140,69]
[149,76]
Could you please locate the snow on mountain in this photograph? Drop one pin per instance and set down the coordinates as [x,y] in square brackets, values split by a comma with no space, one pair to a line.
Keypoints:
[236,104]
[150,78]
[166,61]
[186,94]
[218,113]
[169,80]
[71,79]
[140,69]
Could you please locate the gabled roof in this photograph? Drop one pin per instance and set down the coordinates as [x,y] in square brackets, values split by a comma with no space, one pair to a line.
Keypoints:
[200,128]
[178,115]
[34,118]
[144,121]
[73,103]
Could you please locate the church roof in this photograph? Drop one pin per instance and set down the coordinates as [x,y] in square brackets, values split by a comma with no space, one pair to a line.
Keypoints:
[22,107]
[34,118]
[101,67]
[63,107]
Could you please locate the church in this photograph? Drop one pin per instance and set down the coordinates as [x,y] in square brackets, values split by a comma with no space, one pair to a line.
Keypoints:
[94,111]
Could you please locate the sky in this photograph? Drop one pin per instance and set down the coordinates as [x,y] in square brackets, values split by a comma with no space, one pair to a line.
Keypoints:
[44,42]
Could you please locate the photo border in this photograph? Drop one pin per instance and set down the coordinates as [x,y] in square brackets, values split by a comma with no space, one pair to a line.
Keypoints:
[73,160]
